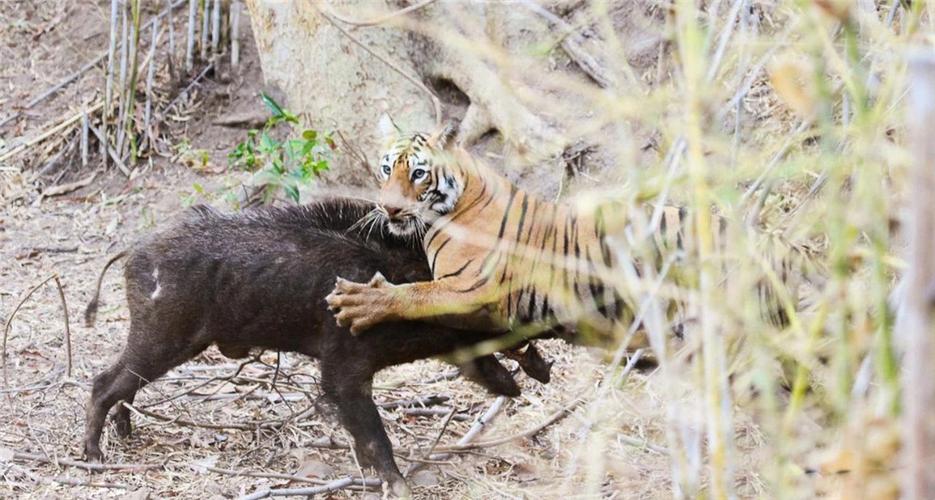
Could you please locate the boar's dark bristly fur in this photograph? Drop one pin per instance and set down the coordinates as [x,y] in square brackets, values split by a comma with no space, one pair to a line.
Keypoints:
[258,279]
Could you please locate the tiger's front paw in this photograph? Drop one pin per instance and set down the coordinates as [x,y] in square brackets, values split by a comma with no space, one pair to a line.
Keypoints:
[361,306]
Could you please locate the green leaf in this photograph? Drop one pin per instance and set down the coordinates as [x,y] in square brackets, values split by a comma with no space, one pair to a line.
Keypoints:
[274,108]
[268,145]
[310,135]
[292,191]
[278,166]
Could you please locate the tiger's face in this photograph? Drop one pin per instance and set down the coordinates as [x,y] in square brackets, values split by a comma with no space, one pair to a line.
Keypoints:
[417,184]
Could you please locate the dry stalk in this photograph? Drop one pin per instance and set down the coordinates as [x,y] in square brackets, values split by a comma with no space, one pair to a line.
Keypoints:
[110,151]
[236,7]
[205,28]
[109,78]
[215,27]
[150,76]
[55,129]
[122,79]
[918,319]
[84,139]
[170,56]
[190,45]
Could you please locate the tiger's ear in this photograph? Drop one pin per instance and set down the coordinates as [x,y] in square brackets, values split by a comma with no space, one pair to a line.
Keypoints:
[387,130]
[444,137]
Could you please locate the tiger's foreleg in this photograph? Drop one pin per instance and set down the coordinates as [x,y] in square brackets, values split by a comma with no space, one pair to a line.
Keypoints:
[363,305]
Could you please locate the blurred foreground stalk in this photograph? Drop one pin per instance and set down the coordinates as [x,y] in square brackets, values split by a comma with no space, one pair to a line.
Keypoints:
[919,297]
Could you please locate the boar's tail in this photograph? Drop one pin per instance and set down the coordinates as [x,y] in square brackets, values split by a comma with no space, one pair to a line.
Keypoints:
[90,313]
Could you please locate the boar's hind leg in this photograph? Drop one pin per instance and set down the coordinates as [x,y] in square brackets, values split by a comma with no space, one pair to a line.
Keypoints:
[350,390]
[137,366]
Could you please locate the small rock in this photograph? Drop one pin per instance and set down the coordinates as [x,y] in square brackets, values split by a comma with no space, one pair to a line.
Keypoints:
[425,478]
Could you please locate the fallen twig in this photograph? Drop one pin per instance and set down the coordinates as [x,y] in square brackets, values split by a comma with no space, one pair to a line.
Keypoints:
[270,424]
[110,151]
[19,148]
[9,320]
[61,296]
[71,186]
[483,421]
[469,436]
[265,475]
[434,412]
[317,490]
[418,402]
[187,88]
[33,457]
[70,481]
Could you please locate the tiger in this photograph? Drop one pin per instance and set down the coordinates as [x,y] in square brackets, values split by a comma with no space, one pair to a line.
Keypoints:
[502,258]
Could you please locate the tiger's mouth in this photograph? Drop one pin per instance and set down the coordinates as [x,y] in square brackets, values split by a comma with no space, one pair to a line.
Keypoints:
[405,224]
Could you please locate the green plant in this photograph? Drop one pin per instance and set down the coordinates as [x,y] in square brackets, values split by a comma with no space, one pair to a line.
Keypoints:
[285,164]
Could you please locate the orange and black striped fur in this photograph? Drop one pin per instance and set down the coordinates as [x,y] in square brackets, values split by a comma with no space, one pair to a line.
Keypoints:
[502,258]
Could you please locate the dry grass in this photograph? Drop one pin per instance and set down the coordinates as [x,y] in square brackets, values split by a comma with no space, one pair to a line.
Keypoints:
[816,153]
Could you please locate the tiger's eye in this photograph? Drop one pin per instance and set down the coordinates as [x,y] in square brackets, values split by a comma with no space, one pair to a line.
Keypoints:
[418,174]
[386,169]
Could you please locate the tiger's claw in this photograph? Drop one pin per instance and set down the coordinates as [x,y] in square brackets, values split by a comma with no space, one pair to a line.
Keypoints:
[360,306]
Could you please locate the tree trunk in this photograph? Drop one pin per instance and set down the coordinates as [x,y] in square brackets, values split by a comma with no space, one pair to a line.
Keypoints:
[482,61]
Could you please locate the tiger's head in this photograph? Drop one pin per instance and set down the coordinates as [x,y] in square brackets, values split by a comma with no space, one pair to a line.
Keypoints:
[418,183]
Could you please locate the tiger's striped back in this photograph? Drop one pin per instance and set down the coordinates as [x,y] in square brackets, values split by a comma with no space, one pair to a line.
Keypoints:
[519,260]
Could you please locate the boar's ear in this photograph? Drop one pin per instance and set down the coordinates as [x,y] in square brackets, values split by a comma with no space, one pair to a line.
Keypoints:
[443,138]
[387,130]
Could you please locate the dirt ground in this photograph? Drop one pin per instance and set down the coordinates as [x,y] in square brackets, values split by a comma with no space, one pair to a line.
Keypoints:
[207,443]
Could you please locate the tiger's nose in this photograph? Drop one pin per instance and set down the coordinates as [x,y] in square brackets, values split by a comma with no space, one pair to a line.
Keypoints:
[392,211]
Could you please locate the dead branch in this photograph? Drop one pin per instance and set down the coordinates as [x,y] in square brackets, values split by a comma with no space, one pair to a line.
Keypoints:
[434,412]
[70,481]
[264,475]
[317,490]
[185,91]
[71,186]
[33,457]
[9,320]
[61,296]
[483,421]
[422,401]
[573,45]
[253,426]
[19,148]
[110,151]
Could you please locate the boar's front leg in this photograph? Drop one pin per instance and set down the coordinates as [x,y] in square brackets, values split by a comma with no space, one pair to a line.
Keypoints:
[350,389]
